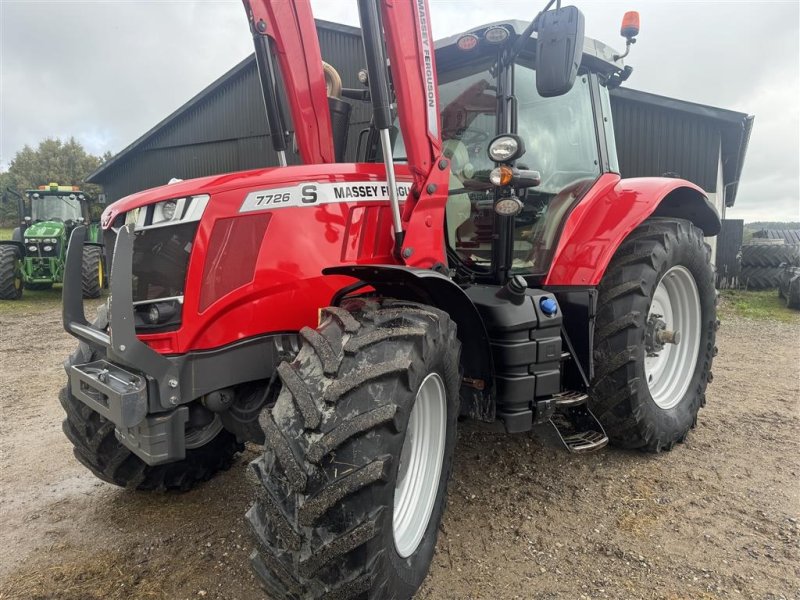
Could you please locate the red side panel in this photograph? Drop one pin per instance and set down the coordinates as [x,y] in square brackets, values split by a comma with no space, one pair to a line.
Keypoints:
[259,270]
[290,24]
[232,253]
[601,221]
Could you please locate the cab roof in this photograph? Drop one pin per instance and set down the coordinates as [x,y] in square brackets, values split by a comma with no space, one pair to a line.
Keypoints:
[596,55]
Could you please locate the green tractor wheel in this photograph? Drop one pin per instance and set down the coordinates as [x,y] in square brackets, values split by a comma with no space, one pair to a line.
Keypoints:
[92,272]
[10,273]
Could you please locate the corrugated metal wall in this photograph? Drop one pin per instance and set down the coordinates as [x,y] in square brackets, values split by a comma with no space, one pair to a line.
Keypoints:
[652,141]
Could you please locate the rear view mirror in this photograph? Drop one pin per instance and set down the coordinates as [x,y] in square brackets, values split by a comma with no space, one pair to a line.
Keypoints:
[559,47]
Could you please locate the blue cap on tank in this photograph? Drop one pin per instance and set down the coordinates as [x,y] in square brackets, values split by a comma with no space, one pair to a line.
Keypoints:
[548,306]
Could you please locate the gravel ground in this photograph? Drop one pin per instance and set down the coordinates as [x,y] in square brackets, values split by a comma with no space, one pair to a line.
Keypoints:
[715,518]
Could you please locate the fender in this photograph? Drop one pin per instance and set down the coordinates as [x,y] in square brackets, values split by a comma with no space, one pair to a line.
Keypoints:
[612,209]
[434,289]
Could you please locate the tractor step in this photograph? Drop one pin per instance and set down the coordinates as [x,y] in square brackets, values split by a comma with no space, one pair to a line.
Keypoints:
[571,398]
[579,430]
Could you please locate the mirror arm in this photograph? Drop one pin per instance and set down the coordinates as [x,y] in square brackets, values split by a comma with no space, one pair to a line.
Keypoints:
[519,43]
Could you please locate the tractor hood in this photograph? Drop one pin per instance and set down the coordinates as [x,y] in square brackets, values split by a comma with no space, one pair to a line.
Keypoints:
[245,180]
[45,229]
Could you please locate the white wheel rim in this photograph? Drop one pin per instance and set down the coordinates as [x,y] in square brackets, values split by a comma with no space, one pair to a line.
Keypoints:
[670,373]
[420,466]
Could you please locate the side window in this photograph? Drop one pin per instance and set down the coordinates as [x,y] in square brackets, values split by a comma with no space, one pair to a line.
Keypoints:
[608,125]
[468,97]
[561,144]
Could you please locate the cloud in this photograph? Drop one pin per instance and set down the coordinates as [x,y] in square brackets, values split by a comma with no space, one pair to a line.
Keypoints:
[107,71]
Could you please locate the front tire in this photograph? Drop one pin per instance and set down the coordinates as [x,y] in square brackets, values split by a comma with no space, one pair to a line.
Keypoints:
[96,447]
[359,448]
[10,274]
[647,391]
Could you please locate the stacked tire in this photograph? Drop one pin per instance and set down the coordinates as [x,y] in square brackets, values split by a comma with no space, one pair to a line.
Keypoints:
[762,264]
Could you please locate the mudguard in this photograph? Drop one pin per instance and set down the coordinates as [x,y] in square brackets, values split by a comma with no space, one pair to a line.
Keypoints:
[599,223]
[435,289]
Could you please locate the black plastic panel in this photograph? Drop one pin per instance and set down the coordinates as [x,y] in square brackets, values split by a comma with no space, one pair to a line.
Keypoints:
[526,350]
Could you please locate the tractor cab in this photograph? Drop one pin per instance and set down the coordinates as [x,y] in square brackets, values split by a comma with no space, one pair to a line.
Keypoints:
[58,204]
[567,140]
[54,211]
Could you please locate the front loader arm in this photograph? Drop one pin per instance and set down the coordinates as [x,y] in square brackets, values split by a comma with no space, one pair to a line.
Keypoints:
[410,49]
[290,25]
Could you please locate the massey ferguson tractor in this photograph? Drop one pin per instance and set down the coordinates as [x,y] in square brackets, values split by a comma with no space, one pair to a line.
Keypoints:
[483,259]
[34,257]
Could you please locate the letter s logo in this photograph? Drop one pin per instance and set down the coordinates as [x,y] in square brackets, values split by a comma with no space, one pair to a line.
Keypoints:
[309,194]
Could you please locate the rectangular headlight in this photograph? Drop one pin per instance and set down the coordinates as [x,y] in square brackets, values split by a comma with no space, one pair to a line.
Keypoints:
[169,212]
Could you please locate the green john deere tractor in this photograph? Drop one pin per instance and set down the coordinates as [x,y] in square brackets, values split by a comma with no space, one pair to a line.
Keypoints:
[34,257]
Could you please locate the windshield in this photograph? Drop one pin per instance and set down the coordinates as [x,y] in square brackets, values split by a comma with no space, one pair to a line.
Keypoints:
[55,208]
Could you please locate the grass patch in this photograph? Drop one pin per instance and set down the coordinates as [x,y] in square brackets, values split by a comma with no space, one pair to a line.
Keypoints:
[32,302]
[763,305]
[42,301]
[5,233]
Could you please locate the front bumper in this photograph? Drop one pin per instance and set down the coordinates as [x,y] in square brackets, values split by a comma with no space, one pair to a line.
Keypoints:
[144,393]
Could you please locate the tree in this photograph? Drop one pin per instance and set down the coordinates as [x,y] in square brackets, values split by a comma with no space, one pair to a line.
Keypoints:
[53,161]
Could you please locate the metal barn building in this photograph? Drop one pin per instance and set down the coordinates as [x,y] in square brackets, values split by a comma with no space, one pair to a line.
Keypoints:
[224,128]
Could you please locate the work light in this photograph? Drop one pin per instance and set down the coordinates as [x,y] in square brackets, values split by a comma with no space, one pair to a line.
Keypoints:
[505,148]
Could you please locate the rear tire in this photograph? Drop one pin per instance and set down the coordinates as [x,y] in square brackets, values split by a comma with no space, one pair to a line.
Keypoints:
[651,402]
[334,518]
[92,272]
[10,274]
[96,446]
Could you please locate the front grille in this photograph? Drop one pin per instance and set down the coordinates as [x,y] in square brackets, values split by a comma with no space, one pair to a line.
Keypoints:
[160,259]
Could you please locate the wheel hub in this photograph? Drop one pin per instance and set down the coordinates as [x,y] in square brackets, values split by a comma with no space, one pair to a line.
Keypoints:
[657,334]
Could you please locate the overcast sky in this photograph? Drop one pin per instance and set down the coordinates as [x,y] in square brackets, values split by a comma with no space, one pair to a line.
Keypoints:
[107,71]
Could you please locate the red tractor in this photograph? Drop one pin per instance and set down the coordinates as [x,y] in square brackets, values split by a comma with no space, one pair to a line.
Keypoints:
[482,260]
